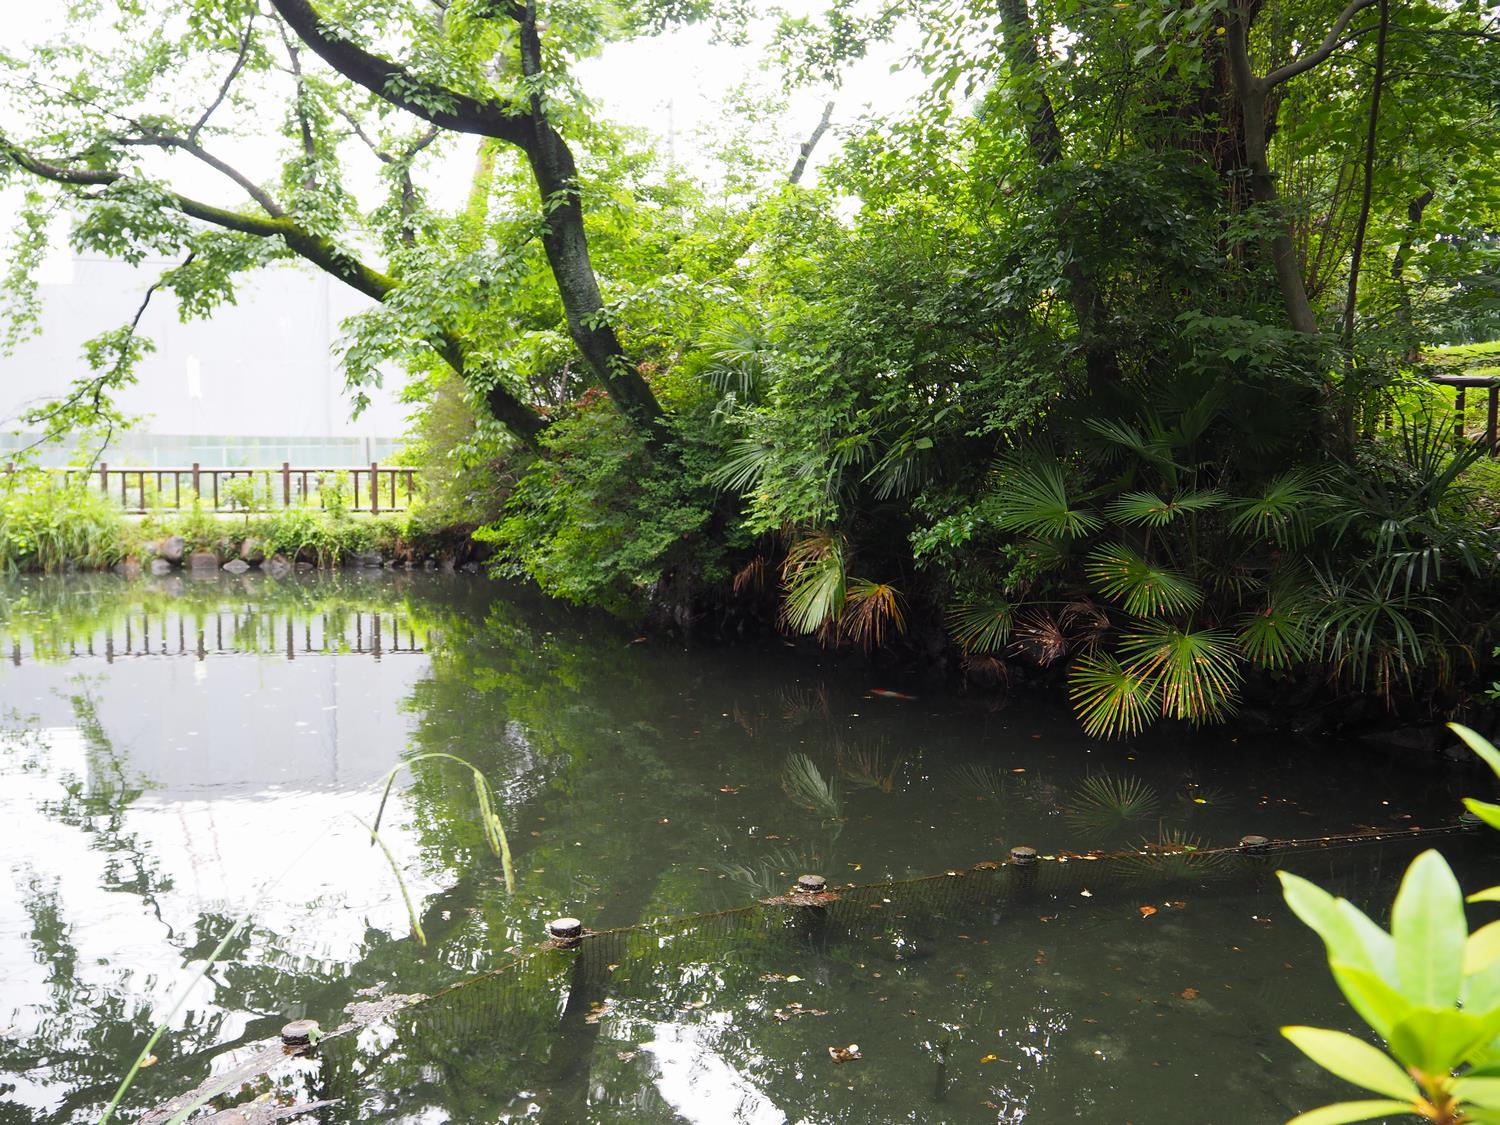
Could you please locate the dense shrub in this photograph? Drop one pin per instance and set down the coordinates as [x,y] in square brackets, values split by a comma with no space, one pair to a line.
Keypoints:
[47,526]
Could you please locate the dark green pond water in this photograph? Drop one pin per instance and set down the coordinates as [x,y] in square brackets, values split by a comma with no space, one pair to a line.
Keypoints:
[176,755]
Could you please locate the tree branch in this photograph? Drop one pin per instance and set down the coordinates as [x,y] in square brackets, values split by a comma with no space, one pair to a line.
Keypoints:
[428,100]
[192,148]
[516,415]
[93,389]
[811,143]
[1331,42]
[234,71]
[564,239]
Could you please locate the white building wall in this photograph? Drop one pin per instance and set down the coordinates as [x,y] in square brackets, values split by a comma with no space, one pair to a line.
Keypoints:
[261,367]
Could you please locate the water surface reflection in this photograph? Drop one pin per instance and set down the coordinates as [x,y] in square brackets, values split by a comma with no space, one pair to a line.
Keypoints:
[179,754]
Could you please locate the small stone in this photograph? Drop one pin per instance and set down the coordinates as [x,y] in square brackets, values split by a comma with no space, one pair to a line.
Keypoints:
[278,566]
[129,568]
[303,565]
[252,551]
[367,559]
[171,548]
[202,562]
[236,566]
[160,567]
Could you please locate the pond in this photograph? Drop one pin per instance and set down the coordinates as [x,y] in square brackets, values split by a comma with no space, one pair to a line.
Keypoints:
[178,755]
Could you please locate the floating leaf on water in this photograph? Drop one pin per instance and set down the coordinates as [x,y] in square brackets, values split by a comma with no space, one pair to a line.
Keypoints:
[1147,911]
[793,978]
[1190,994]
[988,1059]
[1086,893]
[149,1060]
[844,1054]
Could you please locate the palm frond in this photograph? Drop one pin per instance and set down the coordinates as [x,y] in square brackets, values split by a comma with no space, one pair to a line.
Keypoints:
[872,612]
[738,349]
[1145,590]
[1274,637]
[744,467]
[902,469]
[815,584]
[1110,700]
[1285,511]
[1032,496]
[1147,509]
[982,626]
[1196,674]
[805,784]
[1153,447]
[1377,636]
[751,578]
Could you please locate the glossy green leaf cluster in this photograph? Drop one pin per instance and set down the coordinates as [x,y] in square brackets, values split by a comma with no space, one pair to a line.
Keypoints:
[1428,988]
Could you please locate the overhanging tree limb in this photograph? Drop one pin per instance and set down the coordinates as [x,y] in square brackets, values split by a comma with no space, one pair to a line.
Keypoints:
[397,85]
[564,238]
[516,415]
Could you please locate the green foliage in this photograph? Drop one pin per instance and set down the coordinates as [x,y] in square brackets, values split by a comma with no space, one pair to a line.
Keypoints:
[1429,988]
[46,526]
[1012,353]
[600,520]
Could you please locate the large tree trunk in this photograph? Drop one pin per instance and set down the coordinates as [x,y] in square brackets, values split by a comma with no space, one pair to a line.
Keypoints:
[1253,94]
[564,239]
[1284,259]
[566,244]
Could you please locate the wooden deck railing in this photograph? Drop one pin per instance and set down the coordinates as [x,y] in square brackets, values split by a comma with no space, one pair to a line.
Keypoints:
[1462,384]
[373,489]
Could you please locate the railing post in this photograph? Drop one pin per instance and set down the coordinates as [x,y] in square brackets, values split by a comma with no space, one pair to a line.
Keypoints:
[1490,424]
[375,485]
[197,478]
[104,478]
[1458,417]
[286,484]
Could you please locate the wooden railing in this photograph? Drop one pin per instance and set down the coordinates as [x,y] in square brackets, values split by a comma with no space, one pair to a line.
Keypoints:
[1462,384]
[373,489]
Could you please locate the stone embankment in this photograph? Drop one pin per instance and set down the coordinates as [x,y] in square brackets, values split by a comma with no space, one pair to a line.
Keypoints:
[174,553]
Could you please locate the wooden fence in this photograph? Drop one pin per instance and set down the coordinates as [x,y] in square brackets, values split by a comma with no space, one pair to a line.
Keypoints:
[1461,385]
[373,489]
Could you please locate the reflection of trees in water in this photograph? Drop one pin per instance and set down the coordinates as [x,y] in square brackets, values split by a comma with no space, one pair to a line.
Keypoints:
[591,752]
